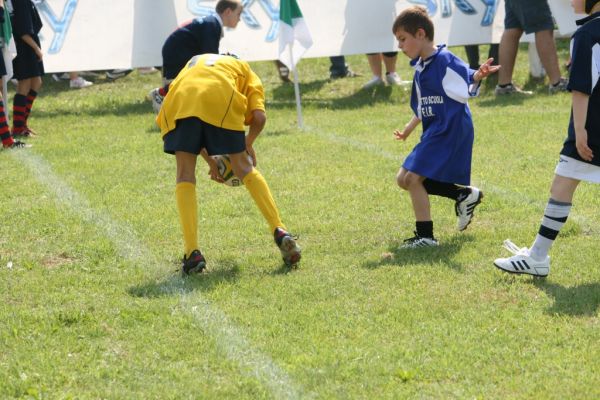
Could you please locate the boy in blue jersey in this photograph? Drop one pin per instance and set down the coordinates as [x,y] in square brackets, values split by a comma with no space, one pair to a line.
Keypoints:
[200,36]
[440,164]
[580,156]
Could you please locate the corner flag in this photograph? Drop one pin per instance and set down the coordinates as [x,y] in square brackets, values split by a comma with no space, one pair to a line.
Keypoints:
[293,33]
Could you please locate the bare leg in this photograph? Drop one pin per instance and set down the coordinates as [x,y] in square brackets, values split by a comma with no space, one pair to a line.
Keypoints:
[240,164]
[563,189]
[413,183]
[544,43]
[390,63]
[509,46]
[186,167]
[375,64]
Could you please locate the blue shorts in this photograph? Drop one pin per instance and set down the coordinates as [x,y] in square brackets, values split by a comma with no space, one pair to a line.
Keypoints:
[530,16]
[26,64]
[191,135]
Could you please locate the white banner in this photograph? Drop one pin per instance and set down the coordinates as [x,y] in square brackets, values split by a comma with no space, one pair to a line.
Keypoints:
[81,35]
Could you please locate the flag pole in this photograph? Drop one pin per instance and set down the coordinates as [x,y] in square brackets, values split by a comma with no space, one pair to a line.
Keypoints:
[297,91]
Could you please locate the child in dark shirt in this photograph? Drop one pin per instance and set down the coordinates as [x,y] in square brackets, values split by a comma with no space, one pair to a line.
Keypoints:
[27,65]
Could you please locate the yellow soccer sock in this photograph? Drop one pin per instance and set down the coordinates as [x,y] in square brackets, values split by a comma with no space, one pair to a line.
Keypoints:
[188,215]
[259,190]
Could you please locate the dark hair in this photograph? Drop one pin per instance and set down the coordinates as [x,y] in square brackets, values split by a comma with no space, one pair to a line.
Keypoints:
[412,19]
[223,5]
[589,4]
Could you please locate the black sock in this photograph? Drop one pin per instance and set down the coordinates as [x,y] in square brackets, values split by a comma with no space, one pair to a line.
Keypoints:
[425,229]
[505,85]
[449,190]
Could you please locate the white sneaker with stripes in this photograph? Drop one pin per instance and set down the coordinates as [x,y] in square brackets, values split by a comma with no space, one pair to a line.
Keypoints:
[522,262]
[466,207]
[418,241]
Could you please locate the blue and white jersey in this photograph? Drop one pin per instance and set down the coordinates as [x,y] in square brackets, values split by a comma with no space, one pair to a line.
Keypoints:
[584,77]
[442,85]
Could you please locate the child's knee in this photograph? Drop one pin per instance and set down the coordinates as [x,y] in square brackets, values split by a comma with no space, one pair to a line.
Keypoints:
[401,180]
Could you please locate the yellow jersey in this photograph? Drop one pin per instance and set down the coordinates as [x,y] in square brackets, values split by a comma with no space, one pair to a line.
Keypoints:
[220,90]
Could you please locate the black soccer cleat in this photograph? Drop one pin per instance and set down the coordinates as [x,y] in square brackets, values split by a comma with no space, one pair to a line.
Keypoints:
[194,264]
[290,251]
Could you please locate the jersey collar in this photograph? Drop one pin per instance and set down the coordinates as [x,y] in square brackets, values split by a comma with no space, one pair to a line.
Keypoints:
[419,64]
[588,18]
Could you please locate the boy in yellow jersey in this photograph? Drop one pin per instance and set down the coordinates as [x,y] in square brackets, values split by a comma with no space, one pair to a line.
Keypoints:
[205,112]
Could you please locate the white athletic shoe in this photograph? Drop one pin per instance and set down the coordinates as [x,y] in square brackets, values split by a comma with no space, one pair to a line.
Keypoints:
[522,262]
[79,83]
[375,81]
[417,241]
[393,79]
[465,208]
[156,99]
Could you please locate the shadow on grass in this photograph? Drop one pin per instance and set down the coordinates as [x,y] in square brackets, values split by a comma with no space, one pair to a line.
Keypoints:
[110,104]
[284,98]
[106,106]
[175,284]
[534,85]
[286,89]
[426,255]
[580,300]
[284,269]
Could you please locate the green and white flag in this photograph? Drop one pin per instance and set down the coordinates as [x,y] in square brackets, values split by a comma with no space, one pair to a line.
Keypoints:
[293,33]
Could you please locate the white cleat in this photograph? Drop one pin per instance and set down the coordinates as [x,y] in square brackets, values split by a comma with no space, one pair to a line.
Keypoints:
[466,207]
[156,99]
[522,262]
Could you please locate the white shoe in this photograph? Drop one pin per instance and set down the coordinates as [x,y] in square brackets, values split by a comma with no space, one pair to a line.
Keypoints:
[375,81]
[417,241]
[522,262]
[61,77]
[393,79]
[79,83]
[156,99]
[465,208]
[147,70]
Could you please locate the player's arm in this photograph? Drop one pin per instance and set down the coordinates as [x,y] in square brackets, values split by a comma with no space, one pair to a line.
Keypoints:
[31,43]
[580,107]
[408,128]
[259,119]
[213,170]
[485,70]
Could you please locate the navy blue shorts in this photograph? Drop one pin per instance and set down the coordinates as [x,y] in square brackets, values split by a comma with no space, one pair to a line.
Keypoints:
[26,64]
[530,16]
[2,66]
[389,54]
[191,135]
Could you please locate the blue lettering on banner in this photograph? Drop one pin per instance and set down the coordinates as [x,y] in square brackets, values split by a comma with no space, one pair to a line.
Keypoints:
[272,11]
[60,26]
[463,5]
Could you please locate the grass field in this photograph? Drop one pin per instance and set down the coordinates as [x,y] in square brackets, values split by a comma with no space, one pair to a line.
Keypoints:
[92,304]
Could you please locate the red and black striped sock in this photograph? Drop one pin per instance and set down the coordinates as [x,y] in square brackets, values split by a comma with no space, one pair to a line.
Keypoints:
[19,111]
[29,103]
[7,139]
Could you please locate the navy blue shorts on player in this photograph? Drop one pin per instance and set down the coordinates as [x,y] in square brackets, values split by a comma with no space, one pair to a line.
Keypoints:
[191,135]
[27,64]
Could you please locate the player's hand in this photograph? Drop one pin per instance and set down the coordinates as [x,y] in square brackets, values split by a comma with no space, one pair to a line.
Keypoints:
[213,170]
[581,142]
[485,70]
[401,135]
[251,153]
